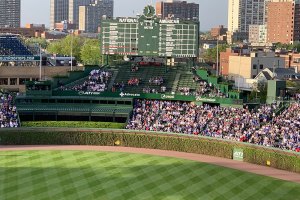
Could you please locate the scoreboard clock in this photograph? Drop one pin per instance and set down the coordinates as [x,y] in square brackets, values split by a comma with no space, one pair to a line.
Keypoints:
[150,36]
[149,11]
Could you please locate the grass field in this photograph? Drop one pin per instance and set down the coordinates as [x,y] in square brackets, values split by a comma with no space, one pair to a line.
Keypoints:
[99,175]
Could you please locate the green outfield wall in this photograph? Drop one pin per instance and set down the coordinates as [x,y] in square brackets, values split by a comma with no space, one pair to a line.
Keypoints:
[260,155]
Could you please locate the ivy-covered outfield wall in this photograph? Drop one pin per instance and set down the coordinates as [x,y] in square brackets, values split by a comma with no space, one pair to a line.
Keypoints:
[192,144]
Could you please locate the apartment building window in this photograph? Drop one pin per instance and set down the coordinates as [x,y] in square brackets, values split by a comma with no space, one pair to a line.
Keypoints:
[254,66]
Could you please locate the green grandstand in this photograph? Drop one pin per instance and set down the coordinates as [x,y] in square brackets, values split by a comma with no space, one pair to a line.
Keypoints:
[56,100]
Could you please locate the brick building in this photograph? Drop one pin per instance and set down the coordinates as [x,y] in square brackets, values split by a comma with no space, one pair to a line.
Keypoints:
[30,30]
[217,31]
[292,60]
[177,9]
[224,59]
[283,21]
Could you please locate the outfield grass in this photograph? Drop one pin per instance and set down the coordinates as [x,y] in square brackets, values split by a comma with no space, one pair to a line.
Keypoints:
[99,175]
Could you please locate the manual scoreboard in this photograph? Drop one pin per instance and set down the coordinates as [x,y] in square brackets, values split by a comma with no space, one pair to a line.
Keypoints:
[150,36]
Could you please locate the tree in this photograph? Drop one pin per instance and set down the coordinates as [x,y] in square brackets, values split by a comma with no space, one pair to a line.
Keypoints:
[211,54]
[294,46]
[55,48]
[72,44]
[90,52]
[291,84]
[83,49]
[64,46]
[37,41]
[259,91]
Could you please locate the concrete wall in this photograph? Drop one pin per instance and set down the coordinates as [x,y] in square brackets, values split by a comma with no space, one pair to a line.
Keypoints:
[239,66]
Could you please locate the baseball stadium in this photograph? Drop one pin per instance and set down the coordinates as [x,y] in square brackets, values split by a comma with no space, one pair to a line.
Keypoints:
[156,125]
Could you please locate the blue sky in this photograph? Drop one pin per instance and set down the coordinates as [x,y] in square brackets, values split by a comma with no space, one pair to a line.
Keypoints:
[212,12]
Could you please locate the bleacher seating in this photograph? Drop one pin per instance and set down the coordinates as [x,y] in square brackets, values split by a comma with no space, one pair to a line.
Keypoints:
[97,81]
[145,73]
[186,80]
[13,45]
[174,78]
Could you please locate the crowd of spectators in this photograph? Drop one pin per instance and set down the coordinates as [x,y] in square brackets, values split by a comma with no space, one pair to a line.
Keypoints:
[149,90]
[259,126]
[96,82]
[8,113]
[284,130]
[156,80]
[134,81]
[297,96]
[207,89]
[204,90]
[118,86]
[153,90]
[134,68]
[184,91]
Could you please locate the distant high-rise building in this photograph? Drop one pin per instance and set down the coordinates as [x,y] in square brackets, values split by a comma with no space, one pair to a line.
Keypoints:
[90,16]
[106,8]
[59,11]
[10,13]
[257,34]
[74,9]
[242,13]
[92,12]
[177,9]
[283,21]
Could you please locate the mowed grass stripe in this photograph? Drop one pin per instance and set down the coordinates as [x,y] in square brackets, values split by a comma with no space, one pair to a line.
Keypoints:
[102,175]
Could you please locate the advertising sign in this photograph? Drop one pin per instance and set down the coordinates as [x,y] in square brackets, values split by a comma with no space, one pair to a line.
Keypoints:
[238,154]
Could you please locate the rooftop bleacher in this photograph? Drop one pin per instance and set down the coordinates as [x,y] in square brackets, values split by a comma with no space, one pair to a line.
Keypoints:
[13,45]
[96,81]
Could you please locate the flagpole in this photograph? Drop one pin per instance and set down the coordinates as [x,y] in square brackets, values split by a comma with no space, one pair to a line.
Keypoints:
[40,62]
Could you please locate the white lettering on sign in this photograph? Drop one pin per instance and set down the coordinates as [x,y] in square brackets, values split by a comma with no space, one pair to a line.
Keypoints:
[125,20]
[165,96]
[204,99]
[122,94]
[169,21]
[238,154]
[88,93]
